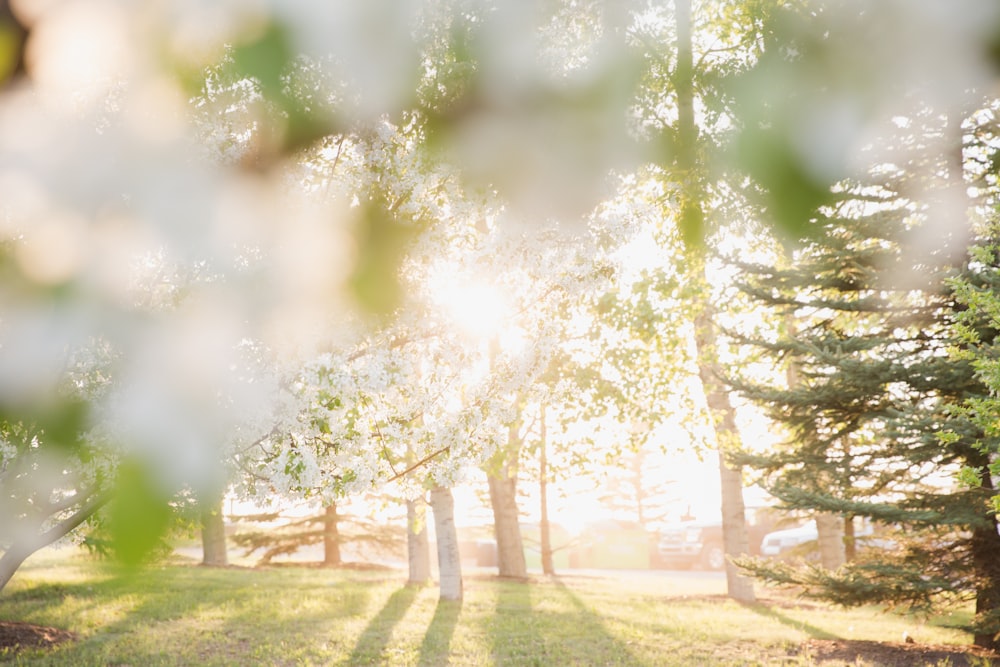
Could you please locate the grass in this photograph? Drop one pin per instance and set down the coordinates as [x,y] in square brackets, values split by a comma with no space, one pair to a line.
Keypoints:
[180,614]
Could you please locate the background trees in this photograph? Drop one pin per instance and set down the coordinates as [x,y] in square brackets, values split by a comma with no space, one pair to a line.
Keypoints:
[256,215]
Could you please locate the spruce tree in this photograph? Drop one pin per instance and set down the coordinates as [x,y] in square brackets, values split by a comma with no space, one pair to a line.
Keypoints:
[875,420]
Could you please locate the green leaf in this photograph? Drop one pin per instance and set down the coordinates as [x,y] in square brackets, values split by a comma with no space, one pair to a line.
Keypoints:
[11,42]
[381,242]
[270,60]
[266,58]
[139,514]
[970,477]
[792,194]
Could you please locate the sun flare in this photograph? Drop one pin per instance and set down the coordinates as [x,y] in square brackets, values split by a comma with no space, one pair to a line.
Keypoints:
[477,309]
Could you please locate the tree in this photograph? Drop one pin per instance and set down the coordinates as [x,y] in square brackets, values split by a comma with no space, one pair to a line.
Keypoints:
[278,533]
[417,545]
[287,267]
[875,420]
[56,472]
[449,558]
[213,535]
[544,526]
[638,487]
[226,222]
[693,129]
[44,498]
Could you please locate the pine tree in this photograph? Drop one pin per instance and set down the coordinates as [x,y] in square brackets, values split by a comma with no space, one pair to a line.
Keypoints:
[875,420]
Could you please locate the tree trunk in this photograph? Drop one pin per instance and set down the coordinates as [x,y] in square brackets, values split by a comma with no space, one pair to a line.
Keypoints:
[830,534]
[507,524]
[418,553]
[734,530]
[735,537]
[545,536]
[449,558]
[12,559]
[213,536]
[830,537]
[506,517]
[691,220]
[331,536]
[16,554]
[850,541]
[638,483]
[985,546]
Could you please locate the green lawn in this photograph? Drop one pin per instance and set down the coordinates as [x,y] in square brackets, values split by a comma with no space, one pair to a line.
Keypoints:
[186,615]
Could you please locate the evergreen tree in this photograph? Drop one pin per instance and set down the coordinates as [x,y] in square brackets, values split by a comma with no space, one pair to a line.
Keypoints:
[874,419]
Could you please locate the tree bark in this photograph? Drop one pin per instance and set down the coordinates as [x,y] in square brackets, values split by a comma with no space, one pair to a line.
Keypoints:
[213,535]
[507,525]
[331,536]
[691,220]
[850,540]
[16,554]
[545,534]
[449,558]
[830,537]
[12,559]
[735,537]
[418,554]
[506,517]
[734,530]
[985,546]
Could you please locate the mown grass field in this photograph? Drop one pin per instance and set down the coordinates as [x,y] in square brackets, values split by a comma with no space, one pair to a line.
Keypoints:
[181,614]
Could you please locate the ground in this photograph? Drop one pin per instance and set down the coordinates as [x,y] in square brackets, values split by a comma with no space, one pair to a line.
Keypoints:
[887,654]
[14,636]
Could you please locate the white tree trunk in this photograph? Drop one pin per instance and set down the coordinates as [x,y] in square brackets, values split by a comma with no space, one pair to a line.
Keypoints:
[17,553]
[449,558]
[418,551]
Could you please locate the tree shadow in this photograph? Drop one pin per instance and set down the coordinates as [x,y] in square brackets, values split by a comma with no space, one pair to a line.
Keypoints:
[770,612]
[436,646]
[375,637]
[605,646]
[513,605]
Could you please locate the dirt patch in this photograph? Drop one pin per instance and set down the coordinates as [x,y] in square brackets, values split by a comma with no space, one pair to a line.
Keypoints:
[888,654]
[17,636]
[320,565]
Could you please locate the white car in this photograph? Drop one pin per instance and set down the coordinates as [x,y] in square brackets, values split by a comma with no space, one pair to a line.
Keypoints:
[782,541]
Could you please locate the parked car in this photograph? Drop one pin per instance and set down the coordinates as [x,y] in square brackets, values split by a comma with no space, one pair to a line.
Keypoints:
[803,539]
[699,543]
[782,542]
[687,544]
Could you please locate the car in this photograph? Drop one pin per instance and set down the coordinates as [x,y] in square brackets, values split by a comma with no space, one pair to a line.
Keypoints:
[782,542]
[687,544]
[699,543]
[803,540]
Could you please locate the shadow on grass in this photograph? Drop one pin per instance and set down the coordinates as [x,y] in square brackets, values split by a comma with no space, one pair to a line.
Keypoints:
[377,633]
[771,612]
[604,646]
[516,628]
[204,616]
[436,646]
